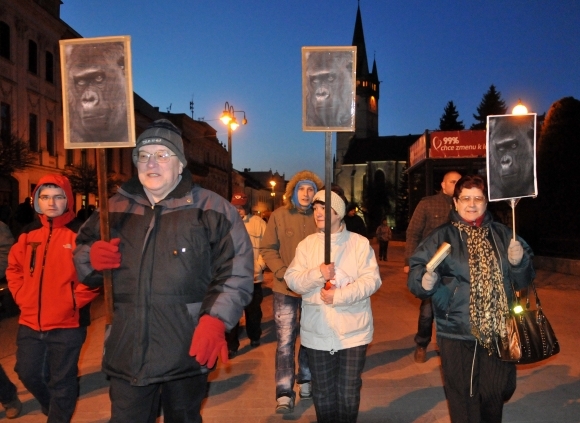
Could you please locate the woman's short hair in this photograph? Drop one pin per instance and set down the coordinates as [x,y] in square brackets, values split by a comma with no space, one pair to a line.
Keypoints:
[468,182]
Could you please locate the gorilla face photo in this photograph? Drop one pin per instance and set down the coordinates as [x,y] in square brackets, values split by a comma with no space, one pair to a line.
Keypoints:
[97,93]
[328,85]
[511,156]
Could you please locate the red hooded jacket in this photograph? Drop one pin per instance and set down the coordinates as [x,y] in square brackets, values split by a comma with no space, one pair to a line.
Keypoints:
[41,274]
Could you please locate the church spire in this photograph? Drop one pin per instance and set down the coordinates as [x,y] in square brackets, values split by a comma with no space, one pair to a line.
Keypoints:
[358,40]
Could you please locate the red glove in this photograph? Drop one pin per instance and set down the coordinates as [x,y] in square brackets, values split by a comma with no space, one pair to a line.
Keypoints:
[106,255]
[208,341]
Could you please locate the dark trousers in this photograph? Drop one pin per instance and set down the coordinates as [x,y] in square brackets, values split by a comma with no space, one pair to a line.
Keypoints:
[383,248]
[7,388]
[425,325]
[336,383]
[253,313]
[47,365]
[479,398]
[180,399]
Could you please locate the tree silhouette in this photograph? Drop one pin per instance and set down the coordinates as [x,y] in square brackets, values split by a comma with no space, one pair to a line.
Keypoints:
[448,121]
[84,180]
[558,155]
[491,104]
[14,155]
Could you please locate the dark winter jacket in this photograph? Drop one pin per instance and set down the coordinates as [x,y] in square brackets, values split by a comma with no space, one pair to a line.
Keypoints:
[41,274]
[187,256]
[451,293]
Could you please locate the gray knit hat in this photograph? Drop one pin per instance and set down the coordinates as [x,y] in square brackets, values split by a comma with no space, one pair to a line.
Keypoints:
[161,132]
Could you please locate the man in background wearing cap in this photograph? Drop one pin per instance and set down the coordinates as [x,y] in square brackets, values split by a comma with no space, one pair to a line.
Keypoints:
[337,323]
[182,274]
[287,226]
[54,306]
[253,311]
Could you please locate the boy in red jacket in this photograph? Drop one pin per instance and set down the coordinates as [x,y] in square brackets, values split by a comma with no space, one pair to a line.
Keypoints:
[54,307]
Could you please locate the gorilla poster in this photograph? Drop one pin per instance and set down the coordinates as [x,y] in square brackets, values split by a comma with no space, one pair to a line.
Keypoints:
[97,92]
[511,156]
[328,88]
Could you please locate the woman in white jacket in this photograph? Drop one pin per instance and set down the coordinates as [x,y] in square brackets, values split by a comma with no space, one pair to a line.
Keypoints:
[337,323]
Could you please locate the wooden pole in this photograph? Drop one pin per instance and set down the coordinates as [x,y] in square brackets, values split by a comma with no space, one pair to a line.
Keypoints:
[105,235]
[327,208]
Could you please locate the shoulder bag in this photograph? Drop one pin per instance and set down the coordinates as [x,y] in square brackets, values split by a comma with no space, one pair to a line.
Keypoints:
[530,335]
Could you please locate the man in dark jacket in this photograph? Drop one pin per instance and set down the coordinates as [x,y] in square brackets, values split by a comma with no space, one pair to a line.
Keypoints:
[431,212]
[182,274]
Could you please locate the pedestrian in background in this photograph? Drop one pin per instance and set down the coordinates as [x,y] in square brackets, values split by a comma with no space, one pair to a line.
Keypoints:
[182,267]
[337,323]
[431,212]
[471,291]
[8,394]
[54,306]
[384,235]
[287,226]
[253,311]
[353,221]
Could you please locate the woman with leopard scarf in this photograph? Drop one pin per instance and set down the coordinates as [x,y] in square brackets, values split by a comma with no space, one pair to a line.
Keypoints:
[471,293]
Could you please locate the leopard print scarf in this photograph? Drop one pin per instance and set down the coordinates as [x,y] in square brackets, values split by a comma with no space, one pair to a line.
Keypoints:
[488,307]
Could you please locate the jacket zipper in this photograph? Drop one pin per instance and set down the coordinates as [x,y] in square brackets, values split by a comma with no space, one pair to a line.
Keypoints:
[74,301]
[42,273]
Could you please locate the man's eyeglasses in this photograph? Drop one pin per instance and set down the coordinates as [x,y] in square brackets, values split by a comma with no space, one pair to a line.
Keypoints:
[160,156]
[52,197]
[467,199]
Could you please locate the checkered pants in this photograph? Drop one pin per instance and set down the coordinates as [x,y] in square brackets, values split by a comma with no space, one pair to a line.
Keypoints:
[336,383]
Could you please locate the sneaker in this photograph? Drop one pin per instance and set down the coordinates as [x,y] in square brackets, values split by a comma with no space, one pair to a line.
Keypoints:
[305,390]
[420,354]
[255,344]
[231,354]
[284,405]
[13,408]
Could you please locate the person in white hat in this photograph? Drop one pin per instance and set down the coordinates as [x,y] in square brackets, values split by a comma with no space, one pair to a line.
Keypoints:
[337,322]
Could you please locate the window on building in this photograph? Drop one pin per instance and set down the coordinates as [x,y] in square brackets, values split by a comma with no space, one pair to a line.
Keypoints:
[4,40]
[33,132]
[5,123]
[49,67]
[32,57]
[70,157]
[50,146]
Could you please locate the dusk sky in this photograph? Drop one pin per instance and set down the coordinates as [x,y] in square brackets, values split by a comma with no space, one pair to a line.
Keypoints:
[249,54]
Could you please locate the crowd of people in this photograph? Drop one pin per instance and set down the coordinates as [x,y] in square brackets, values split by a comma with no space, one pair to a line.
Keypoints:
[187,264]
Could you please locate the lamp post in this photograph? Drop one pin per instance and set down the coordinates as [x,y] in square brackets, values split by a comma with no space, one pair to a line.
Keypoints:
[228,118]
[273,194]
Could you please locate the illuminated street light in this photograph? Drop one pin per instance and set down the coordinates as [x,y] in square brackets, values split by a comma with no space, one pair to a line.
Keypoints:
[228,118]
[520,109]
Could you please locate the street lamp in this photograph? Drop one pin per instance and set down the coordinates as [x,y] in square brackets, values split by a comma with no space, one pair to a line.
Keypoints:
[228,118]
[520,109]
[273,194]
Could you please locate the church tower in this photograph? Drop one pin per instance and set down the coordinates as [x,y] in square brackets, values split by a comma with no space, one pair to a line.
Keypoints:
[367,96]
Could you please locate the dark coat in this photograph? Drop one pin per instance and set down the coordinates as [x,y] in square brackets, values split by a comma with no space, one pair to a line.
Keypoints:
[187,256]
[450,295]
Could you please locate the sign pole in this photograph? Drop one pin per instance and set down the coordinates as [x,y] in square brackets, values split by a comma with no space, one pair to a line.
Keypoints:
[327,204]
[105,235]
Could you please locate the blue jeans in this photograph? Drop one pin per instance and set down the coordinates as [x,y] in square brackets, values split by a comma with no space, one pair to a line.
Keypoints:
[286,317]
[7,388]
[47,365]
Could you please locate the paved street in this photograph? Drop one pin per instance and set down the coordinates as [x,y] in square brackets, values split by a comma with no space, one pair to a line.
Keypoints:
[395,388]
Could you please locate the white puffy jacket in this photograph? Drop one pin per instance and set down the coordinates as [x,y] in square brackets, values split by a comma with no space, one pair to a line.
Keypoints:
[348,322]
